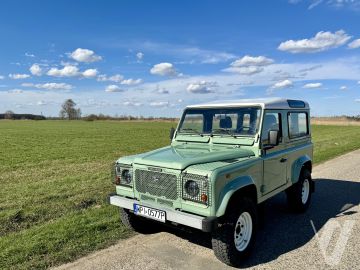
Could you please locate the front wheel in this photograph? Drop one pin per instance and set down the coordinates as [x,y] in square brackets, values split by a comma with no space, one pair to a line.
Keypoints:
[299,195]
[233,240]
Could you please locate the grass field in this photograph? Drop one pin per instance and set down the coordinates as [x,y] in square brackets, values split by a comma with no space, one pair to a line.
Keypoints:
[55,175]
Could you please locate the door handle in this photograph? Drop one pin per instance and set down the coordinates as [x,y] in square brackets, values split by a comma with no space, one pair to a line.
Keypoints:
[283,160]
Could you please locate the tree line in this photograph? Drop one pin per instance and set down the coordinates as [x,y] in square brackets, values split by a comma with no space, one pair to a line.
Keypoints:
[69,111]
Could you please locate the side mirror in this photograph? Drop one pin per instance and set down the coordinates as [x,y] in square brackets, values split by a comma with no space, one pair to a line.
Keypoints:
[172,132]
[273,137]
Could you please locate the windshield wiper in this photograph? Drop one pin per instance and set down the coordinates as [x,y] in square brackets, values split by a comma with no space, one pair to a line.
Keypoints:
[228,131]
[191,129]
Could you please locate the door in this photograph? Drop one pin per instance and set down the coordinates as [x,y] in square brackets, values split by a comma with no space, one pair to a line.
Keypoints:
[274,159]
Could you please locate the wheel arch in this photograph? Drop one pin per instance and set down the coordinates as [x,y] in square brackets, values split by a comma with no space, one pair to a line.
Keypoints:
[238,187]
[298,165]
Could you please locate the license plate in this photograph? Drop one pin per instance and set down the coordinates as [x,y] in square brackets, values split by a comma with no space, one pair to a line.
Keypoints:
[149,212]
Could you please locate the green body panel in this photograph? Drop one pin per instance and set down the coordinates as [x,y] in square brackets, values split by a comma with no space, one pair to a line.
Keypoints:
[297,167]
[229,164]
[228,191]
[182,156]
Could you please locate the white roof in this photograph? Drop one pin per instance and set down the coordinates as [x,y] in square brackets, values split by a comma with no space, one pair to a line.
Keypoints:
[265,103]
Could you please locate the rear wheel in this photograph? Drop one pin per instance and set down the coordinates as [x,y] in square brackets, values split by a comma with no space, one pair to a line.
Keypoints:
[233,240]
[138,224]
[299,195]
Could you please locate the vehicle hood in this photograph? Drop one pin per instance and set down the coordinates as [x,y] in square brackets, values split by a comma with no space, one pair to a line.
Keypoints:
[181,156]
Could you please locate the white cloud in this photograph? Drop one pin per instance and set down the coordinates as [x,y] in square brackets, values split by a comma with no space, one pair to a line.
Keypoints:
[357,100]
[344,87]
[115,78]
[131,81]
[358,82]
[162,91]
[68,63]
[132,103]
[294,1]
[159,104]
[354,44]
[2,77]
[315,3]
[202,87]
[15,91]
[29,55]
[216,57]
[71,70]
[85,55]
[36,70]
[49,86]
[249,65]
[90,73]
[185,53]
[321,42]
[139,56]
[244,70]
[41,103]
[230,86]
[282,84]
[351,4]
[66,71]
[252,61]
[312,85]
[306,70]
[19,76]
[113,88]
[163,69]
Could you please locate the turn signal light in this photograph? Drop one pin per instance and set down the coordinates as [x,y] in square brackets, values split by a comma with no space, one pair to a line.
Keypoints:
[204,198]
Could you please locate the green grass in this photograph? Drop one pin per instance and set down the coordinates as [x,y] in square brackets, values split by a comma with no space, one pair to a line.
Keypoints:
[55,176]
[332,141]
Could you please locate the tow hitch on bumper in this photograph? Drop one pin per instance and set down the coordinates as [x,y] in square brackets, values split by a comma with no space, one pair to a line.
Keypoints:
[206,224]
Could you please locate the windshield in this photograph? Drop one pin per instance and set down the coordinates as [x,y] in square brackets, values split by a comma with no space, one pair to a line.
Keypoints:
[224,121]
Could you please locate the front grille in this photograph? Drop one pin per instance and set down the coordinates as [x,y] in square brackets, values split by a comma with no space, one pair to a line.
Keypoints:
[147,198]
[165,202]
[156,183]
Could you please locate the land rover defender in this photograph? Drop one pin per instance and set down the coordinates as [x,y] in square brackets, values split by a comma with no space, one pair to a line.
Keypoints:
[225,159]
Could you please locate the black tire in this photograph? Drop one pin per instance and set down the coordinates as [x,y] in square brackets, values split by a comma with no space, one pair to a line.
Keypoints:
[138,224]
[223,239]
[294,193]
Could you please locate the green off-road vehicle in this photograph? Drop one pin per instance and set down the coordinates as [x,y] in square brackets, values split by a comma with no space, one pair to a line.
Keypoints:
[224,161]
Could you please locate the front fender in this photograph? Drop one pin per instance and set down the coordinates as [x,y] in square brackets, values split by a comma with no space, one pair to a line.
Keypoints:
[229,189]
[297,166]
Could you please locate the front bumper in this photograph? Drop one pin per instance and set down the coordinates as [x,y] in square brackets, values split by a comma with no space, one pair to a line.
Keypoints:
[206,224]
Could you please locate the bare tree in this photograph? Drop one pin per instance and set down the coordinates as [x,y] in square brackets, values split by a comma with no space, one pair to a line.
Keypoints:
[68,110]
[9,115]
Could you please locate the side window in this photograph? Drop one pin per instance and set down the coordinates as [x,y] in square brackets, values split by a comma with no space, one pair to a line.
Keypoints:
[272,121]
[298,124]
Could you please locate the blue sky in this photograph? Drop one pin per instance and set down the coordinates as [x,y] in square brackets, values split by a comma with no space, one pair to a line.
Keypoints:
[155,57]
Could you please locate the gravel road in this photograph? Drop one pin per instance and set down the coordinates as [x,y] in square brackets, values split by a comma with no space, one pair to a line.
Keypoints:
[287,241]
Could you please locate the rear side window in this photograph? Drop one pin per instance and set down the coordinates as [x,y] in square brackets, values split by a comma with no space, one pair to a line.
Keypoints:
[298,124]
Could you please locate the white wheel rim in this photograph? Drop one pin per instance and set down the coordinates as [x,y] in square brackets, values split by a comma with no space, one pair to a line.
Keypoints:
[243,231]
[305,191]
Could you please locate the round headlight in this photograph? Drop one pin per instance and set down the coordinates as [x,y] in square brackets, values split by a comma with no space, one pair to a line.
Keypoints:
[192,188]
[126,176]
